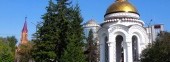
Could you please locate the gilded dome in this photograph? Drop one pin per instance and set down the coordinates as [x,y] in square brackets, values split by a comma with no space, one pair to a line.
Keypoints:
[121,6]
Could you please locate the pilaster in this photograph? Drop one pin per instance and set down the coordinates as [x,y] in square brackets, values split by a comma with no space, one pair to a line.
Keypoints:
[102,53]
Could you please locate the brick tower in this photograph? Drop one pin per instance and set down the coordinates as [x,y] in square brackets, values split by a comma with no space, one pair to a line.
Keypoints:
[24,33]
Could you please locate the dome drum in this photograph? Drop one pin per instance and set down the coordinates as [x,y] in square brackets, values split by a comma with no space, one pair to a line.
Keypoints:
[91,23]
[123,21]
[122,14]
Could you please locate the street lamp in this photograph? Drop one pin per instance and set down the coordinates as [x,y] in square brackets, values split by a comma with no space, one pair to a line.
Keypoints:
[35,26]
[150,30]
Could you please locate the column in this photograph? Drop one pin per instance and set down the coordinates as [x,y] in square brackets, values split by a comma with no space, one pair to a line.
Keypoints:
[112,49]
[128,43]
[102,50]
[102,53]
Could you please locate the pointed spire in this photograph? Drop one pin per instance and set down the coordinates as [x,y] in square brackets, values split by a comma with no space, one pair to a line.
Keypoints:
[25,30]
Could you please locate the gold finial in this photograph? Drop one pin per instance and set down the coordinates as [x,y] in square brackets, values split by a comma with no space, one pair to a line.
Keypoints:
[120,0]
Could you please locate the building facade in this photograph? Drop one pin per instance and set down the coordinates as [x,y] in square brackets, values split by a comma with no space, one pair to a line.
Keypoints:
[122,36]
[153,31]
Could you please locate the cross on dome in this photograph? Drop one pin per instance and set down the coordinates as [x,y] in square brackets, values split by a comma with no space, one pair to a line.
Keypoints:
[120,0]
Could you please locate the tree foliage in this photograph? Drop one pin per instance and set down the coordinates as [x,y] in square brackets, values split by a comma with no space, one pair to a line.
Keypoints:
[24,52]
[12,41]
[74,49]
[91,52]
[60,29]
[158,51]
[46,37]
[7,49]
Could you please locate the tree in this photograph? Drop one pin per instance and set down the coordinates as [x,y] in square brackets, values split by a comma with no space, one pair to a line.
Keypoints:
[46,37]
[5,52]
[7,48]
[24,52]
[74,49]
[56,33]
[12,41]
[91,48]
[158,51]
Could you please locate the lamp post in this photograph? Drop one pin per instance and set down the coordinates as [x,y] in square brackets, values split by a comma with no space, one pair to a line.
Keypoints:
[36,26]
[150,31]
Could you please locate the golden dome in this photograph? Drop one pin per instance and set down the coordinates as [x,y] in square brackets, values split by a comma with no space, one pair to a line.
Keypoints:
[121,6]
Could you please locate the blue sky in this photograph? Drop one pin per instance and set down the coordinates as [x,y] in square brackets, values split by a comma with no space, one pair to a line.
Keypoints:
[13,12]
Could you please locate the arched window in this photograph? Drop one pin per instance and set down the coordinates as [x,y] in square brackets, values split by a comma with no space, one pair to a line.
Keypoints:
[106,50]
[135,48]
[119,49]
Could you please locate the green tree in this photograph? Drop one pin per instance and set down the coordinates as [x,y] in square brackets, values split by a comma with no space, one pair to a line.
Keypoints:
[91,52]
[5,52]
[44,48]
[57,31]
[158,51]
[24,52]
[74,50]
[12,43]
[7,48]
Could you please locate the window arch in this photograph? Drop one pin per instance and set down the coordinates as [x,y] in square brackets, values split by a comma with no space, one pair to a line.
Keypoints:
[135,48]
[106,50]
[119,49]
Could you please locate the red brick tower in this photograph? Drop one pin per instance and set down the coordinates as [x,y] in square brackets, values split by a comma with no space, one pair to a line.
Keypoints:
[24,33]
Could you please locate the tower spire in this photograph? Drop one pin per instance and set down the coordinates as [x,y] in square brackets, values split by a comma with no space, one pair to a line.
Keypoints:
[25,26]
[24,33]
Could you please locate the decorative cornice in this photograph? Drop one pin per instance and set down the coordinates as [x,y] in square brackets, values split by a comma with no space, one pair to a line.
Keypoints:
[123,14]
[120,12]
[123,18]
[91,25]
